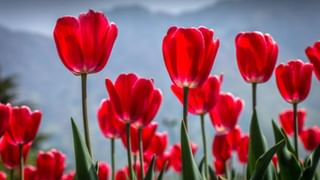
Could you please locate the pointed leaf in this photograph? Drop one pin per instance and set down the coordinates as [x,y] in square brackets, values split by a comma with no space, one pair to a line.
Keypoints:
[264,161]
[312,160]
[257,147]
[212,173]
[150,173]
[289,166]
[189,166]
[85,168]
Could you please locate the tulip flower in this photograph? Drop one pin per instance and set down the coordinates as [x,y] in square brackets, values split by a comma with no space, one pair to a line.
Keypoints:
[219,166]
[313,53]
[235,137]
[243,149]
[225,114]
[5,115]
[50,165]
[287,123]
[162,161]
[158,143]
[221,147]
[103,171]
[30,172]
[275,161]
[189,55]
[84,44]
[256,56]
[294,83]
[175,156]
[122,174]
[69,176]
[310,138]
[3,175]
[10,153]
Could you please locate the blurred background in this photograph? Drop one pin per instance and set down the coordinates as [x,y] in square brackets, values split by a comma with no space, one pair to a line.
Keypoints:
[29,58]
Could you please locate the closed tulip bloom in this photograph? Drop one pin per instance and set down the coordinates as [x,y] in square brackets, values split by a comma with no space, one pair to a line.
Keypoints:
[23,125]
[310,138]
[158,143]
[110,125]
[69,176]
[30,172]
[275,161]
[175,156]
[189,54]
[313,53]
[50,165]
[219,166]
[235,136]
[286,120]
[202,99]
[122,174]
[243,149]
[224,116]
[103,171]
[256,56]
[147,135]
[10,153]
[5,115]
[294,80]
[161,161]
[135,99]
[3,175]
[221,147]
[84,44]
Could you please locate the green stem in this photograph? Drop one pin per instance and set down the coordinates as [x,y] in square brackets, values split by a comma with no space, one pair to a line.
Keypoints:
[141,153]
[85,112]
[21,161]
[295,121]
[129,151]
[204,142]
[185,106]
[254,96]
[113,158]
[11,174]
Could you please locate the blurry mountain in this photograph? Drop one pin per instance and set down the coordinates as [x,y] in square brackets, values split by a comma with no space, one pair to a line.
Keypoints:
[44,80]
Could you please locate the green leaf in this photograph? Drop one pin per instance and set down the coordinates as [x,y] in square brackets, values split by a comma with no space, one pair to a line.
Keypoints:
[257,147]
[201,167]
[189,166]
[212,173]
[289,166]
[85,168]
[264,161]
[163,170]
[149,175]
[311,164]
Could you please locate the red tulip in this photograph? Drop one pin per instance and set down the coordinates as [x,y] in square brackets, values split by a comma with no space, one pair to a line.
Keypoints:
[50,165]
[69,176]
[286,120]
[189,55]
[243,149]
[110,125]
[147,135]
[3,175]
[313,54]
[161,161]
[30,172]
[122,174]
[175,156]
[158,143]
[235,136]
[202,99]
[221,147]
[23,125]
[219,166]
[310,138]
[294,80]
[134,99]
[225,114]
[103,171]
[84,44]
[275,161]
[5,115]
[10,153]
[256,56]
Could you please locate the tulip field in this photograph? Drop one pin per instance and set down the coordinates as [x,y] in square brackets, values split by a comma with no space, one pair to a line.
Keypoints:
[127,114]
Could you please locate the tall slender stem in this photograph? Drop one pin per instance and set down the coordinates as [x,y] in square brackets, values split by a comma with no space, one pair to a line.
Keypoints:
[21,161]
[141,152]
[113,158]
[204,142]
[129,151]
[185,106]
[295,121]
[254,96]
[11,174]
[85,112]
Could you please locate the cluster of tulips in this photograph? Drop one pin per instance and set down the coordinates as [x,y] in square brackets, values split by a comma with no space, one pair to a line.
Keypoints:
[84,45]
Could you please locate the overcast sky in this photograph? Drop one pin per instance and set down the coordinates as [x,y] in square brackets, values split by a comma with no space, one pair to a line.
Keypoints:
[39,15]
